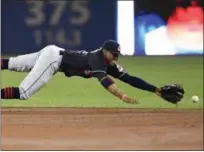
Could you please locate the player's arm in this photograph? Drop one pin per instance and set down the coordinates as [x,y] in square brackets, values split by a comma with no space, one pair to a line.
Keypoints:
[98,71]
[109,84]
[118,72]
[139,83]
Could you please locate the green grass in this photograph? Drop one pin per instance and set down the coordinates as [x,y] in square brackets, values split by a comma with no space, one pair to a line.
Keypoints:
[78,92]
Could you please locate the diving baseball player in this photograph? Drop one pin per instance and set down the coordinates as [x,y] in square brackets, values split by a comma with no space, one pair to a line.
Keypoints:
[99,64]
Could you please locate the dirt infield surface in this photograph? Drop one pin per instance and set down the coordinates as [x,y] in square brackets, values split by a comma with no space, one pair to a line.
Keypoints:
[101,129]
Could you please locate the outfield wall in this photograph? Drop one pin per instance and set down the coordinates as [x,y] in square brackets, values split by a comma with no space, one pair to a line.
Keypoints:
[142,27]
[30,25]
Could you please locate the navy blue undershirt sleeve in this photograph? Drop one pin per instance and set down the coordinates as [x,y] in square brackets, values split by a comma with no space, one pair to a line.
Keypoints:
[137,82]
[106,82]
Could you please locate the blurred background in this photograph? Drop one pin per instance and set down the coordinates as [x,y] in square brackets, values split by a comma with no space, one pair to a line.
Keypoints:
[168,27]
[28,26]
[143,27]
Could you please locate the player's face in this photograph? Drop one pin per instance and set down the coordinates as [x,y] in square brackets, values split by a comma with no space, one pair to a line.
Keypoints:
[111,56]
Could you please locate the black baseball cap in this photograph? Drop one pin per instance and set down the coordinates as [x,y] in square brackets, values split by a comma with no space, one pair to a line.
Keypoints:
[112,46]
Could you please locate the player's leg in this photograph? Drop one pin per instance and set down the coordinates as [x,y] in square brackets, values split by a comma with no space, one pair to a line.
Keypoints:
[22,63]
[45,67]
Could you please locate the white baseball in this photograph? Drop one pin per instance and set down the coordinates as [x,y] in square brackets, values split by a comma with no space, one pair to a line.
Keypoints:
[195,99]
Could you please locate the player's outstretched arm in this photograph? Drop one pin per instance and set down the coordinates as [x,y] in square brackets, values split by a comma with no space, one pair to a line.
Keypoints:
[118,72]
[109,84]
[139,83]
[172,93]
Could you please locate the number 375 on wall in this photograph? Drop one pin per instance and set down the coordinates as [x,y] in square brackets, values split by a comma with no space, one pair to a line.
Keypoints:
[37,15]
[65,16]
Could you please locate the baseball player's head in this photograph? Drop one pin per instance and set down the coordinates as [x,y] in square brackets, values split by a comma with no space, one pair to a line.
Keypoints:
[111,50]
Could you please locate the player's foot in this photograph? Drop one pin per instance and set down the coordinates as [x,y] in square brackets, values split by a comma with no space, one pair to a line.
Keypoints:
[4,63]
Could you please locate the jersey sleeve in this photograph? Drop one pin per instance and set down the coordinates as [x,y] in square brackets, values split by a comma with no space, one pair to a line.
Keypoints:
[98,70]
[99,73]
[115,70]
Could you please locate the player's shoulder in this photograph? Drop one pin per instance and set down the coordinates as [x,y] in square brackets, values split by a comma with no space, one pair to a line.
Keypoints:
[96,54]
[117,66]
[116,70]
[115,63]
[96,51]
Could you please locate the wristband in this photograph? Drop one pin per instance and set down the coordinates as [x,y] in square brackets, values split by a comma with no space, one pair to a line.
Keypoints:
[106,82]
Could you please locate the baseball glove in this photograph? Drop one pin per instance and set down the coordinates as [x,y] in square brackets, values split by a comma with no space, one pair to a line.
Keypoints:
[172,93]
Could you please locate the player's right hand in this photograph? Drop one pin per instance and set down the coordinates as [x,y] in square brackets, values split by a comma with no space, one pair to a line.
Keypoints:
[130,100]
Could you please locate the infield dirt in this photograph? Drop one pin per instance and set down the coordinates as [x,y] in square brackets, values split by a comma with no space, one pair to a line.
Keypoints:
[101,129]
